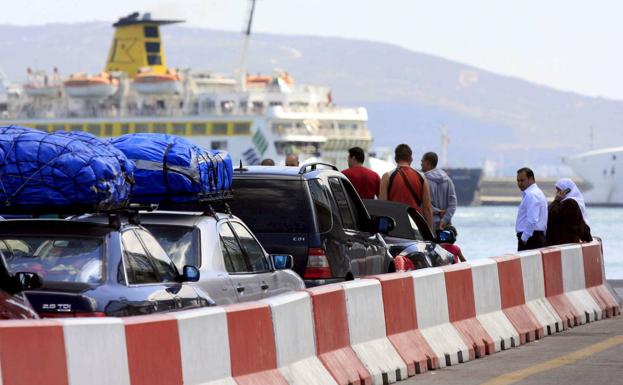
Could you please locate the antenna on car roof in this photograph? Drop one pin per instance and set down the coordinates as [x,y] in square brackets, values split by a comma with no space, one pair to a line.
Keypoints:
[241,168]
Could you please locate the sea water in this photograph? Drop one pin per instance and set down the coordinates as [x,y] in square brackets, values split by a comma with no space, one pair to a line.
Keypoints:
[488,231]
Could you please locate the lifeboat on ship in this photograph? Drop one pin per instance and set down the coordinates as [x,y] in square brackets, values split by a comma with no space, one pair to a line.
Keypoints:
[91,86]
[40,85]
[149,83]
[264,80]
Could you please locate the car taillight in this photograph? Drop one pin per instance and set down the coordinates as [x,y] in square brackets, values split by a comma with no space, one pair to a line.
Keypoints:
[72,315]
[317,264]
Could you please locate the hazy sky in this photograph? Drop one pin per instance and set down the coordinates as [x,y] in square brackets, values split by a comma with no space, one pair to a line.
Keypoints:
[571,45]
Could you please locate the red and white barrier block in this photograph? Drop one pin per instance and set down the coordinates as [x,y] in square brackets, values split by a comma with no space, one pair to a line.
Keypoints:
[513,300]
[294,340]
[401,323]
[535,294]
[594,279]
[488,303]
[433,319]
[366,325]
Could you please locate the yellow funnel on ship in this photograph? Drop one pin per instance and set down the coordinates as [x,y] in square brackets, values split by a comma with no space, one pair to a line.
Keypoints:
[137,45]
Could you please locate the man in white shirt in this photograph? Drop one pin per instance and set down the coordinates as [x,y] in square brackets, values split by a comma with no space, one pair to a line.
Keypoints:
[532,215]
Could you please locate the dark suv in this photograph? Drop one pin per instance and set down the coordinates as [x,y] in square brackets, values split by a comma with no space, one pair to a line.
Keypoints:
[314,214]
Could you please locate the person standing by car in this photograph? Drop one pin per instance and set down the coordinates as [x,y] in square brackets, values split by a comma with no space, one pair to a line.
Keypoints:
[365,181]
[442,193]
[567,221]
[532,214]
[292,160]
[407,185]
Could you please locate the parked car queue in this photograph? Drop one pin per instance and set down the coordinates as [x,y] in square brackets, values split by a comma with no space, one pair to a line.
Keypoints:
[311,220]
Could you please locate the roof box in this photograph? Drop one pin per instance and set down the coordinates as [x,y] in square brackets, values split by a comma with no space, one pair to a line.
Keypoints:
[172,169]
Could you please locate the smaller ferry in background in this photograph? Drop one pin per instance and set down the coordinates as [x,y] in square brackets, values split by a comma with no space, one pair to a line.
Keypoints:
[603,170]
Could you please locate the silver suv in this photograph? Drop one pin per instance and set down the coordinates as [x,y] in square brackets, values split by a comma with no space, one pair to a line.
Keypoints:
[233,264]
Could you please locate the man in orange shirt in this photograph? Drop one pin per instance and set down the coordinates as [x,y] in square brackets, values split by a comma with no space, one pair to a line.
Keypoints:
[407,185]
[365,181]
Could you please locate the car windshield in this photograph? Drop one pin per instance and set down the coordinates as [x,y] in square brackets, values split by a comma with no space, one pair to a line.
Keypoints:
[180,242]
[273,206]
[56,258]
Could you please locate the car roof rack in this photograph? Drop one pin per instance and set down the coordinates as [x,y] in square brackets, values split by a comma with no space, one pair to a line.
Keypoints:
[313,166]
[204,203]
[114,220]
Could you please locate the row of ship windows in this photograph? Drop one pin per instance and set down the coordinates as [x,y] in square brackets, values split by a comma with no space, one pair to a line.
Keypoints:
[186,129]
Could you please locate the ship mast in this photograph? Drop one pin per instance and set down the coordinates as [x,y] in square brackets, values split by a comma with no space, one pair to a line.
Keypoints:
[242,70]
[445,140]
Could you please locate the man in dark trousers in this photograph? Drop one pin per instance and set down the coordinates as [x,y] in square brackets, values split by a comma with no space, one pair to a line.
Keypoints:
[532,214]
[407,185]
[365,181]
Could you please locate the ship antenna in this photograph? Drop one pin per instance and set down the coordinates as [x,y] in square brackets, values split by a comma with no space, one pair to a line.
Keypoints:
[242,71]
[445,140]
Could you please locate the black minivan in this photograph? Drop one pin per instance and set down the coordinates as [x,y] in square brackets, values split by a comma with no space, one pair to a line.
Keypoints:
[314,214]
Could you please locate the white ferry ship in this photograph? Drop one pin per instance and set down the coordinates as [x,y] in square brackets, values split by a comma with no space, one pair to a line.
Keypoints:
[603,169]
[256,117]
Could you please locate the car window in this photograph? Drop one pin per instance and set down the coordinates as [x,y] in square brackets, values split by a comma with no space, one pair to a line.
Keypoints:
[253,250]
[57,258]
[357,208]
[165,267]
[273,206]
[235,261]
[139,269]
[180,242]
[322,207]
[341,200]
[416,232]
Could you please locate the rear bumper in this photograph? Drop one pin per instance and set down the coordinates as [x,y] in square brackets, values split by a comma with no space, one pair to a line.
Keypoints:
[320,282]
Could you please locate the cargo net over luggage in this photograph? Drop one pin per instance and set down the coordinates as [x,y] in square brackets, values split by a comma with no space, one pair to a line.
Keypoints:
[170,169]
[60,172]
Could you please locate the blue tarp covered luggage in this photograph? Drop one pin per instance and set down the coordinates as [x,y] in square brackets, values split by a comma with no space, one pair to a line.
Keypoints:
[40,171]
[172,169]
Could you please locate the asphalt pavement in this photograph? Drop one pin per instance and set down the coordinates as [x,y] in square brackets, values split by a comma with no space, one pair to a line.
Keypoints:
[587,354]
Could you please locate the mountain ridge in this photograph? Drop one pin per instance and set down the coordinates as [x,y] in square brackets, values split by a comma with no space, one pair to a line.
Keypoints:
[409,94]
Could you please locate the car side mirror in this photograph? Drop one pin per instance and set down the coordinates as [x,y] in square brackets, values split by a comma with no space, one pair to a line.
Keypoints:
[282,261]
[383,224]
[25,280]
[190,274]
[445,236]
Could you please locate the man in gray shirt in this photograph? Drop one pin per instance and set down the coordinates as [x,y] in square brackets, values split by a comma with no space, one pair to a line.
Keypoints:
[442,194]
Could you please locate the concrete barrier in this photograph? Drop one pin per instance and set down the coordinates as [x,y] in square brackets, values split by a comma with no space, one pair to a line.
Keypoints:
[534,291]
[252,344]
[433,319]
[488,303]
[368,338]
[150,341]
[555,291]
[513,300]
[201,365]
[462,309]
[332,337]
[594,279]
[363,332]
[401,323]
[574,286]
[96,351]
[294,340]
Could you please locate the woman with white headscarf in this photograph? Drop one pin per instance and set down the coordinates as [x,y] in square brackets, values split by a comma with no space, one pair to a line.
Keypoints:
[567,221]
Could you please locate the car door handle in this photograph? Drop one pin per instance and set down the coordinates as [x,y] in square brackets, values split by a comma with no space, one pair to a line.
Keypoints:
[264,287]
[240,289]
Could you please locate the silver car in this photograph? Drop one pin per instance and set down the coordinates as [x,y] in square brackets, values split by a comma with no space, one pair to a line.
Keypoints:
[234,266]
